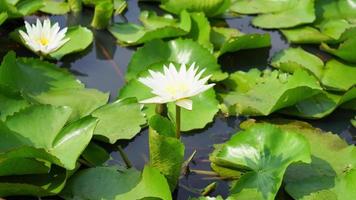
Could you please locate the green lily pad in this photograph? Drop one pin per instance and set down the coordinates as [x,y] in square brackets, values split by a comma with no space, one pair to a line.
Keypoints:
[200,30]
[263,152]
[23,166]
[285,90]
[166,151]
[3,17]
[301,13]
[39,185]
[305,35]
[261,6]
[95,154]
[344,51]
[80,39]
[177,51]
[110,183]
[11,102]
[55,7]
[155,27]
[230,40]
[321,105]
[333,165]
[209,7]
[128,120]
[334,75]
[28,141]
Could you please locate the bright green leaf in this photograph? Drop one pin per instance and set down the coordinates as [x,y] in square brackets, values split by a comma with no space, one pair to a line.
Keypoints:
[55,7]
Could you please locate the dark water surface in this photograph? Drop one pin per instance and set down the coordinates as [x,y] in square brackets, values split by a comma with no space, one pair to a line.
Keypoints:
[103,65]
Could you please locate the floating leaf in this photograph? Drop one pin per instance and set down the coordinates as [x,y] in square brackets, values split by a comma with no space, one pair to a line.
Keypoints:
[264,152]
[23,166]
[301,13]
[95,154]
[110,183]
[36,184]
[11,102]
[200,30]
[178,51]
[155,27]
[55,7]
[305,35]
[344,51]
[261,6]
[230,40]
[102,14]
[166,151]
[285,90]
[209,7]
[28,141]
[119,120]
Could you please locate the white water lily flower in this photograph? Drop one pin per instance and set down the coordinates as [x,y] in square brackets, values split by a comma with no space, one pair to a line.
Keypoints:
[44,38]
[176,86]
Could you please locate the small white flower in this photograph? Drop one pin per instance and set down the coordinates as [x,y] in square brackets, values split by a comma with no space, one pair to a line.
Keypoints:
[44,38]
[176,86]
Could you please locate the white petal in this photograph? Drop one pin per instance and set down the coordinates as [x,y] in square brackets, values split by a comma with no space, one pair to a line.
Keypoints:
[185,103]
[157,99]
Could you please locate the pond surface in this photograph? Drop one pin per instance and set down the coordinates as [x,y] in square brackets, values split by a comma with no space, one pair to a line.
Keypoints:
[103,65]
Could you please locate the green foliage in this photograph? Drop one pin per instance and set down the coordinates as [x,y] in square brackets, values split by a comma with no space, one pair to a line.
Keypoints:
[249,97]
[127,117]
[155,27]
[102,15]
[166,151]
[110,183]
[55,7]
[263,152]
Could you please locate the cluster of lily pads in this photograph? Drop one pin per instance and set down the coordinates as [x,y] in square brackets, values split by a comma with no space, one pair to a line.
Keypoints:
[50,123]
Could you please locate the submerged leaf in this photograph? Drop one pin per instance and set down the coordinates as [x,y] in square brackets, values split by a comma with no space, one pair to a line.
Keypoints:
[264,152]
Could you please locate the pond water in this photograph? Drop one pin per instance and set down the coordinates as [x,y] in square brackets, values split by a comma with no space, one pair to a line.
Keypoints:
[103,65]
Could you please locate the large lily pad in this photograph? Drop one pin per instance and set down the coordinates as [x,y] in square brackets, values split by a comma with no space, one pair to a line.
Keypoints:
[55,7]
[39,185]
[17,9]
[119,120]
[344,51]
[250,96]
[155,27]
[178,51]
[264,152]
[28,141]
[11,102]
[110,183]
[305,35]
[301,13]
[166,151]
[209,7]
[261,6]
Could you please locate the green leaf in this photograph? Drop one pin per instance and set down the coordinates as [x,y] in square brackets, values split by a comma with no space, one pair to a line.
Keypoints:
[119,120]
[264,151]
[155,27]
[110,183]
[102,14]
[200,30]
[38,185]
[230,40]
[209,7]
[11,102]
[301,13]
[33,76]
[95,154]
[82,101]
[28,7]
[22,166]
[3,17]
[176,51]
[55,7]
[261,6]
[334,75]
[292,59]
[285,90]
[28,141]
[166,151]
[344,51]
[305,35]
[205,106]
[80,39]
[321,105]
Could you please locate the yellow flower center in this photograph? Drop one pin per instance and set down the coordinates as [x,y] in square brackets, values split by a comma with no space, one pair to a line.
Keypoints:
[43,41]
[176,88]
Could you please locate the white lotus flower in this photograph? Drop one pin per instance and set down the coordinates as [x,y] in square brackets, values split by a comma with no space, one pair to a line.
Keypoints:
[176,86]
[44,38]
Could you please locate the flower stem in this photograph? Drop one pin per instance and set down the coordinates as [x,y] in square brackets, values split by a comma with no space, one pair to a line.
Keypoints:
[178,122]
[124,157]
